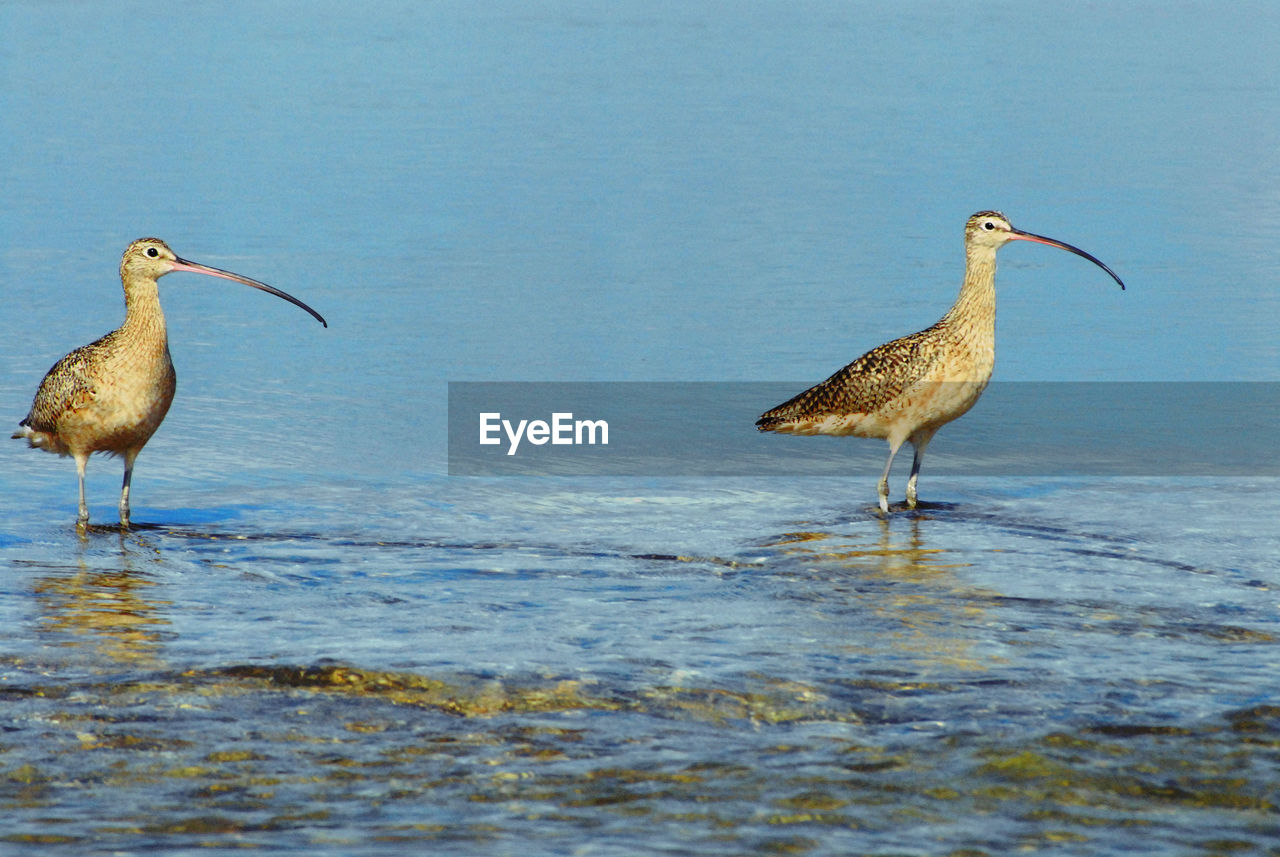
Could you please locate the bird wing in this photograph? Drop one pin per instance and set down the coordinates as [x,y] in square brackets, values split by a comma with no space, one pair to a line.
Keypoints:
[865,385]
[68,386]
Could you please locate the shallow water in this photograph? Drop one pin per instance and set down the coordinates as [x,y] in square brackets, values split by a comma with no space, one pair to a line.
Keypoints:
[315,641]
[508,669]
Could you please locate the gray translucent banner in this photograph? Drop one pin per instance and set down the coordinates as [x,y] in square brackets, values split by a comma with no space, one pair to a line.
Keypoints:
[708,429]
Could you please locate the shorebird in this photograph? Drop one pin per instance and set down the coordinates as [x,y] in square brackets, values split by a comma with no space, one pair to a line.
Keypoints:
[907,389]
[111,395]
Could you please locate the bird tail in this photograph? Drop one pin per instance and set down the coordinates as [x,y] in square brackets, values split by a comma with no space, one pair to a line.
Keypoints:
[769,421]
[35,438]
[783,418]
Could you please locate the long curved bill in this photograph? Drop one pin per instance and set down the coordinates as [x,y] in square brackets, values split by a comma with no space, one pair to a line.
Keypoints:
[181,264]
[1019,235]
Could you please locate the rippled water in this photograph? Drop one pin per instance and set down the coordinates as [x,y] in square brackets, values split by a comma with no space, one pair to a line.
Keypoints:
[515,668]
[317,642]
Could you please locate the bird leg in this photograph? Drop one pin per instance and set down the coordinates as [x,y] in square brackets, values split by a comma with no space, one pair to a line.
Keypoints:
[81,460]
[911,483]
[882,488]
[124,488]
[919,443]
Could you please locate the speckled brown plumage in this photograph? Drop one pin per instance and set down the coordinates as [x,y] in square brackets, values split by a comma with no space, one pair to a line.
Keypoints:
[89,387]
[905,390]
[865,385]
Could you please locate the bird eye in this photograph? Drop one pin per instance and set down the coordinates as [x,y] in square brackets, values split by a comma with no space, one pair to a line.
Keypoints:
[988,226]
[152,252]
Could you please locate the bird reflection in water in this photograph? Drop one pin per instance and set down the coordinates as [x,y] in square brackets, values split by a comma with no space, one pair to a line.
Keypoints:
[104,610]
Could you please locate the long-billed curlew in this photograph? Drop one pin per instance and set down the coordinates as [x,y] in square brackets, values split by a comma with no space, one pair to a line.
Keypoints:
[907,389]
[111,395]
